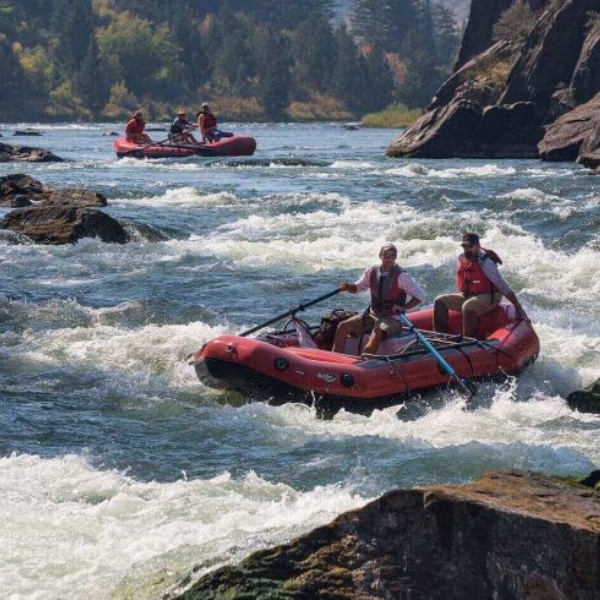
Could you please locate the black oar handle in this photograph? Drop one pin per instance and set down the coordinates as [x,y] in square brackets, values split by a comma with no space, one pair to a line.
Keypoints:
[290,313]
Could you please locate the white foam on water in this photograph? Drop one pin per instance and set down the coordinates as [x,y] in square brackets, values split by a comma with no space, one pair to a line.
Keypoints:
[72,531]
[184,196]
[487,170]
[150,356]
[351,165]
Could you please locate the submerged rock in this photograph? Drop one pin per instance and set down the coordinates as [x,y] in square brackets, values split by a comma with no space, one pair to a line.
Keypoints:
[508,535]
[9,153]
[586,400]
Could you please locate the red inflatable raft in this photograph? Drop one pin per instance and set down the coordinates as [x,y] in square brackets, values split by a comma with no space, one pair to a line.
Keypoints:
[238,145]
[276,364]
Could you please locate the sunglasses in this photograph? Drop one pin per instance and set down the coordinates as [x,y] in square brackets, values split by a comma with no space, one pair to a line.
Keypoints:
[388,256]
[468,245]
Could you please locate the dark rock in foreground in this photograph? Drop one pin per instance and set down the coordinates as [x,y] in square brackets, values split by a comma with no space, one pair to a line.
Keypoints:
[23,190]
[586,400]
[9,153]
[510,535]
[64,224]
[18,184]
[28,132]
[56,216]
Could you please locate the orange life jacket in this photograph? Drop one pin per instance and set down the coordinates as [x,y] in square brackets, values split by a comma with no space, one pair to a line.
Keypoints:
[470,278]
[385,291]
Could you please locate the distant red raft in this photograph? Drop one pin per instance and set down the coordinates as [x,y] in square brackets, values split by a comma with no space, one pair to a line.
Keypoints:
[277,367]
[238,145]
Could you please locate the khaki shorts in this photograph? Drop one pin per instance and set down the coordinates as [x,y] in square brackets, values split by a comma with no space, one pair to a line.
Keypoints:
[480,304]
[360,324]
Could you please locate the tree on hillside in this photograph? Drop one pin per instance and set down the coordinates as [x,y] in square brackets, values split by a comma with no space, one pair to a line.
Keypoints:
[90,82]
[314,55]
[274,75]
[74,22]
[447,35]
[144,58]
[11,78]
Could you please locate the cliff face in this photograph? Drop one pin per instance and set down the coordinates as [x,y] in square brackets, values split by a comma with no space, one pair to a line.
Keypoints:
[509,535]
[514,93]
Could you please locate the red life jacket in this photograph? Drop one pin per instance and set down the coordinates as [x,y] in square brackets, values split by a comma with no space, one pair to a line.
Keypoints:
[385,291]
[209,120]
[135,126]
[470,278]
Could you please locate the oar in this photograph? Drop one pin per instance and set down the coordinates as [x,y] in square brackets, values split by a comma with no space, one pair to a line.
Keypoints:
[465,384]
[290,313]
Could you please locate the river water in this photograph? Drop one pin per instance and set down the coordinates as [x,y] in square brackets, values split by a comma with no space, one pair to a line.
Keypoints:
[120,472]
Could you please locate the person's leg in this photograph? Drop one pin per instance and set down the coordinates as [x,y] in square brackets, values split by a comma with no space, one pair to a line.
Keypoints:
[355,326]
[473,308]
[441,306]
[384,328]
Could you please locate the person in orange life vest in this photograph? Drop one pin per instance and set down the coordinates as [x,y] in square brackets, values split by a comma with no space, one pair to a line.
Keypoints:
[207,124]
[390,288]
[481,288]
[134,130]
[178,133]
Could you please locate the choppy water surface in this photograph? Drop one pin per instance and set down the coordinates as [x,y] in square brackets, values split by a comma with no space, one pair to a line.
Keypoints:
[120,472]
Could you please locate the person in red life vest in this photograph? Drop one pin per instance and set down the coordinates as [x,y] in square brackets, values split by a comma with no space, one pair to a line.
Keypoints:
[390,286]
[207,124]
[180,129]
[480,285]
[134,130]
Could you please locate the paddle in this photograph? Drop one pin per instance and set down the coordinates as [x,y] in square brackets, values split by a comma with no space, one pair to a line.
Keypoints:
[290,313]
[466,385]
[143,145]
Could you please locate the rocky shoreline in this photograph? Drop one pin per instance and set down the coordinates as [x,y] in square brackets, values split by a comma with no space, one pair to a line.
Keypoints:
[538,97]
[508,535]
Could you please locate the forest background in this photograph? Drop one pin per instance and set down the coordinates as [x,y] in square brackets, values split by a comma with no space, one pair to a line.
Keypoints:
[256,60]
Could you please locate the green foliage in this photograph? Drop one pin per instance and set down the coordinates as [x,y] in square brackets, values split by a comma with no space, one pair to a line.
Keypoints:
[267,58]
[394,116]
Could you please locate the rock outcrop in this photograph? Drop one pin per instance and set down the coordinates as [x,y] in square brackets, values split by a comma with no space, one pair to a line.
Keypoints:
[528,96]
[508,535]
[29,191]
[10,153]
[64,224]
[56,216]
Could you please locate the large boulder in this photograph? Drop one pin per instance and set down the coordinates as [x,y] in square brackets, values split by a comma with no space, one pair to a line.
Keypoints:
[572,134]
[74,197]
[550,53]
[463,130]
[64,224]
[507,131]
[478,33]
[508,535]
[441,133]
[464,83]
[585,82]
[10,153]
[23,190]
[19,185]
